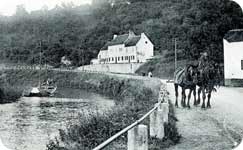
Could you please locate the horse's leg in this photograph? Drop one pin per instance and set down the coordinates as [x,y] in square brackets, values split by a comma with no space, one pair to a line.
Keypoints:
[189,97]
[199,95]
[176,94]
[195,97]
[209,97]
[204,97]
[182,97]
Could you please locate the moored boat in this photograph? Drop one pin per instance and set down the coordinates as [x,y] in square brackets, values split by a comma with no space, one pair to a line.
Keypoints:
[44,90]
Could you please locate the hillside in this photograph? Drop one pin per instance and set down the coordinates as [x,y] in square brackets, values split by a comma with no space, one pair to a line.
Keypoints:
[78,32]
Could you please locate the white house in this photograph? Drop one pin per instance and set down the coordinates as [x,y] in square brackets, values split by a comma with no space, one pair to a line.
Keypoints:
[126,48]
[233,58]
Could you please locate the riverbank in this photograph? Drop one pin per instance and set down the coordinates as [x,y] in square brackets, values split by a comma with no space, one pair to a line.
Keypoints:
[8,94]
[113,85]
[133,97]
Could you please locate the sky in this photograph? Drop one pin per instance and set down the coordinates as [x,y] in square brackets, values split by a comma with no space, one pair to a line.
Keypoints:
[240,2]
[7,7]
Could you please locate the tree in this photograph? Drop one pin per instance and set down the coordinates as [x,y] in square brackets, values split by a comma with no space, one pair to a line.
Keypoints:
[21,11]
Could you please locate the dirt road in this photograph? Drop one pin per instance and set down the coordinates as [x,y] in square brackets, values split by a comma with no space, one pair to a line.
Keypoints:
[217,128]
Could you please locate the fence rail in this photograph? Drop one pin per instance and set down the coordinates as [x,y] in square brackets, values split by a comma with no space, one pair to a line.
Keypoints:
[156,124]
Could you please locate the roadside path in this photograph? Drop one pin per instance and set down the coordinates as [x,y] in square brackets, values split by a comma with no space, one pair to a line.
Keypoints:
[212,129]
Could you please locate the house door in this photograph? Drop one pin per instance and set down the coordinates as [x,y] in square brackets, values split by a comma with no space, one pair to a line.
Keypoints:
[116,60]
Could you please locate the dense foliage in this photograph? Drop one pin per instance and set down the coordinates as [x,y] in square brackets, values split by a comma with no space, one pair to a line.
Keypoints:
[8,93]
[78,32]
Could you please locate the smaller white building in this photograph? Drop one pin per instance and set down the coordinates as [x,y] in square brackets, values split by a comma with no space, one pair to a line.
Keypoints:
[94,61]
[126,48]
[233,58]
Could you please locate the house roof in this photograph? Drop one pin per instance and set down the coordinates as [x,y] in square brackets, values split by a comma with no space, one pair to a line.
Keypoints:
[128,40]
[234,35]
[132,41]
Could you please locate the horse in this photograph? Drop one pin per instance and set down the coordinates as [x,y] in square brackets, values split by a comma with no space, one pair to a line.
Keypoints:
[208,79]
[186,78]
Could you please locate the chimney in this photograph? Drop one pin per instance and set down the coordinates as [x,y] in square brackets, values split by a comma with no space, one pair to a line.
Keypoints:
[114,36]
[131,34]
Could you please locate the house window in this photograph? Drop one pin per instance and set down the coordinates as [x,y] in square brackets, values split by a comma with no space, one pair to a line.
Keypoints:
[112,58]
[241,64]
[146,42]
[122,58]
[118,58]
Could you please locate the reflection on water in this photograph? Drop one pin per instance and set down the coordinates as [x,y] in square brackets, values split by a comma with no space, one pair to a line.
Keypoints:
[30,123]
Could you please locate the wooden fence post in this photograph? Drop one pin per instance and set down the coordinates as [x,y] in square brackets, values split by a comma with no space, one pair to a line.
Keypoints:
[164,107]
[160,124]
[138,138]
[153,124]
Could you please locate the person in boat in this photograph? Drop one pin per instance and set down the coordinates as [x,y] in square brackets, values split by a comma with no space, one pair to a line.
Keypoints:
[48,81]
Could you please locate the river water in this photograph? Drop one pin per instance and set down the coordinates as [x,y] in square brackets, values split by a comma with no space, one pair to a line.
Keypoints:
[31,122]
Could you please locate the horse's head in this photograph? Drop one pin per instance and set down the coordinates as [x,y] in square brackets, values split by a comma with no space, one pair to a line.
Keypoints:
[216,74]
[192,74]
[211,74]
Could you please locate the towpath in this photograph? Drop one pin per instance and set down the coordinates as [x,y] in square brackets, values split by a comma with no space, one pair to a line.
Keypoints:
[217,128]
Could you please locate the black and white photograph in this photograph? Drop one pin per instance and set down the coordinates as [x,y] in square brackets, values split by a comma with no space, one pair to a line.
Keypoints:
[121,74]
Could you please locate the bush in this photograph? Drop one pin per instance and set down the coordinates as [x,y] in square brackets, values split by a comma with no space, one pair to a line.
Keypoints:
[9,94]
[95,127]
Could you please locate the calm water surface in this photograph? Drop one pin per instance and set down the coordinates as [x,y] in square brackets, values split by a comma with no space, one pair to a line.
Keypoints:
[31,122]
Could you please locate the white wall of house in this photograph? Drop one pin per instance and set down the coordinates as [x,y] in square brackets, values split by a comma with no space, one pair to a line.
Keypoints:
[140,52]
[121,54]
[145,48]
[114,51]
[130,54]
[102,56]
[233,57]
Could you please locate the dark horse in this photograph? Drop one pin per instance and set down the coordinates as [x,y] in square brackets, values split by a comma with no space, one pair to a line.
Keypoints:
[186,78]
[208,79]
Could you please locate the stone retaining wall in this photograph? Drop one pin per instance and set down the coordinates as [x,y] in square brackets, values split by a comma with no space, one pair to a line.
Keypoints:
[115,68]
[234,82]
